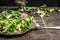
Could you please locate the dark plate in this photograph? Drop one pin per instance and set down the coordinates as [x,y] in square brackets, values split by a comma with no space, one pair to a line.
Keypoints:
[15,33]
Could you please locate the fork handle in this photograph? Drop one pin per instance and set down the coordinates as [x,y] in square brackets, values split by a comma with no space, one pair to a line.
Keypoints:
[37,26]
[57,27]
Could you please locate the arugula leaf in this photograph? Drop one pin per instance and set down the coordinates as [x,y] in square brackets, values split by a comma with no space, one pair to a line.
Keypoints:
[29,9]
[58,10]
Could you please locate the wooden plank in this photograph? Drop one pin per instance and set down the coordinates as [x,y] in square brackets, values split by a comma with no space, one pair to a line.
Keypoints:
[8,7]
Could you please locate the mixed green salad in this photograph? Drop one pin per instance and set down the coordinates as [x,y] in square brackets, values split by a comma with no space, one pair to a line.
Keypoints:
[44,10]
[15,21]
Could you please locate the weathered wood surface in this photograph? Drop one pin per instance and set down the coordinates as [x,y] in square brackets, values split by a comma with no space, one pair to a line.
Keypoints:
[53,20]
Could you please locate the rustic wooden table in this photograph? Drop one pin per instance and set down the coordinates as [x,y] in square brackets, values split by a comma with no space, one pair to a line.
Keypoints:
[53,20]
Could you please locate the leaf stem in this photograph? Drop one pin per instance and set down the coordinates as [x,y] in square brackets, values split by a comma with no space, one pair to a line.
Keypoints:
[46,28]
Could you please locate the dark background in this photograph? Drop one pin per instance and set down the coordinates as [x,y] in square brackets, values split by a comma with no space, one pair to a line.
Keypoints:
[31,2]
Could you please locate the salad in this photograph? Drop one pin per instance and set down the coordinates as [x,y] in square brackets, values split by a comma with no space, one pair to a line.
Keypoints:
[14,21]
